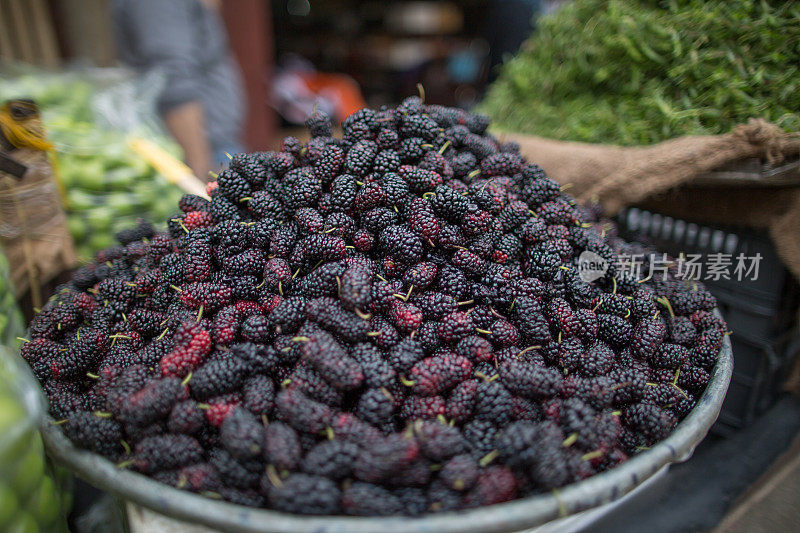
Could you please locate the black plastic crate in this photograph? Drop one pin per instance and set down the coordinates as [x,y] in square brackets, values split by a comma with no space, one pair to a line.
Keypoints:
[759,367]
[761,312]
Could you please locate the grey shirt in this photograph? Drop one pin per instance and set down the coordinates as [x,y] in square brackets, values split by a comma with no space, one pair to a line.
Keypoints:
[187,41]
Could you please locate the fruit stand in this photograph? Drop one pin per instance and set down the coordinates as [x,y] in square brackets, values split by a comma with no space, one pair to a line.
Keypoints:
[250,335]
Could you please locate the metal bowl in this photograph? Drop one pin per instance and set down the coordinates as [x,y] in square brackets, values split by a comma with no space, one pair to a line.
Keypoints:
[511,516]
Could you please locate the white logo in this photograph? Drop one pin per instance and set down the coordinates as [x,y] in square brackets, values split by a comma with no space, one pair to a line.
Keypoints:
[591,266]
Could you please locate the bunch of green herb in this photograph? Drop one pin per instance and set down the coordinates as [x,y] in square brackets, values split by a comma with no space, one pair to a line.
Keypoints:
[638,72]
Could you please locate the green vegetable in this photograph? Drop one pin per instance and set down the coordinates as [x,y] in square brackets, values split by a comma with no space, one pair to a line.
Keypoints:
[12,325]
[639,72]
[100,240]
[31,496]
[77,228]
[100,219]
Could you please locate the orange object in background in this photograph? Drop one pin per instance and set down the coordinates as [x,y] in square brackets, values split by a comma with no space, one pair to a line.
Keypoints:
[340,89]
[299,88]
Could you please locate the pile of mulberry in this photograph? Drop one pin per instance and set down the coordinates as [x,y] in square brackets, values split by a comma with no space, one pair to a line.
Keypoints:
[390,322]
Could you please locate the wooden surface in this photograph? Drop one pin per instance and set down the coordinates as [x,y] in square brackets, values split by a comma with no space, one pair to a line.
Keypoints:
[26,32]
[771,504]
[85,30]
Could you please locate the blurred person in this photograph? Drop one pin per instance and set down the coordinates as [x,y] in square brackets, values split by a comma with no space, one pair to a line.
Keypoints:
[203,102]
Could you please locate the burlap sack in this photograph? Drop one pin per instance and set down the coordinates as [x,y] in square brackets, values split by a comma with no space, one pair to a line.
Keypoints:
[33,227]
[619,176]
